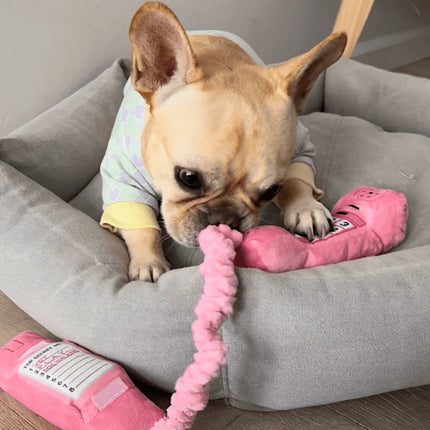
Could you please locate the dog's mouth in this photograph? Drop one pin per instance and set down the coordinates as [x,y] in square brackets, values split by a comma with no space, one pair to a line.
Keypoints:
[188,229]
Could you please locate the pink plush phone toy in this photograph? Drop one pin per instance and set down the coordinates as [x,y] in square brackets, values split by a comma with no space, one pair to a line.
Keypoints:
[367,221]
[77,390]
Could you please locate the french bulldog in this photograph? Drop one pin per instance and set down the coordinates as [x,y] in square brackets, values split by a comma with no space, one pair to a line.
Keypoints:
[219,135]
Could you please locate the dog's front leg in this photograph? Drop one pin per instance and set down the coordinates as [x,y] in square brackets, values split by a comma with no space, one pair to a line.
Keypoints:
[301,212]
[147,261]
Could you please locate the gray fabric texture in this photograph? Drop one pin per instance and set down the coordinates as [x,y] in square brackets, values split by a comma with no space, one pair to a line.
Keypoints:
[63,147]
[302,338]
[89,200]
[394,101]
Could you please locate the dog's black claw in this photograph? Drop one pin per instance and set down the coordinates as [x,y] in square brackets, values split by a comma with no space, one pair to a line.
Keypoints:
[330,223]
[300,233]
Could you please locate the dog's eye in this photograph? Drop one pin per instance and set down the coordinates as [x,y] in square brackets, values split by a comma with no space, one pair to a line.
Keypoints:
[188,179]
[270,193]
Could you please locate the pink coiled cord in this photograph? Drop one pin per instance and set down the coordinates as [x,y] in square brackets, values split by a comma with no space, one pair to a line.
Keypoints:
[218,244]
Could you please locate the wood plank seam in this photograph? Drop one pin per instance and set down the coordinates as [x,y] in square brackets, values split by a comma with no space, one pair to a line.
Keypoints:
[19,418]
[332,408]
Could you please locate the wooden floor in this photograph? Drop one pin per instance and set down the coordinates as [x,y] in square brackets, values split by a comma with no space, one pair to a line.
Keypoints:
[400,410]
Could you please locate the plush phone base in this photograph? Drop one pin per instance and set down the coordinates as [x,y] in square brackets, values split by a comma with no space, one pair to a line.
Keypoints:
[72,388]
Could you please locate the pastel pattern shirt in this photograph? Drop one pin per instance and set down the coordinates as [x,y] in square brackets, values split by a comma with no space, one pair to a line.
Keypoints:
[129,197]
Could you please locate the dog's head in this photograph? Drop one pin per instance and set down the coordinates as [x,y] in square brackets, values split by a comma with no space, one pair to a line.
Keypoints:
[220,132]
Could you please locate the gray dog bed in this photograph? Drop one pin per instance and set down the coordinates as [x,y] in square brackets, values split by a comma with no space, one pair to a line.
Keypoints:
[296,339]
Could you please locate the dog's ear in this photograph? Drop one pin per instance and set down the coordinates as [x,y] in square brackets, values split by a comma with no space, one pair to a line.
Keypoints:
[160,51]
[298,75]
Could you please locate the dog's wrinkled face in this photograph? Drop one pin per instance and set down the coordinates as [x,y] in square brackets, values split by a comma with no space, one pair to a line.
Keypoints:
[220,133]
[217,153]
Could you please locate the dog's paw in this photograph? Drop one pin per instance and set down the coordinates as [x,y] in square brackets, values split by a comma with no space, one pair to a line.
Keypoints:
[307,217]
[149,269]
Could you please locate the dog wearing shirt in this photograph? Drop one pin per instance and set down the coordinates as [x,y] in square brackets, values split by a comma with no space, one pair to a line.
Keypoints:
[207,134]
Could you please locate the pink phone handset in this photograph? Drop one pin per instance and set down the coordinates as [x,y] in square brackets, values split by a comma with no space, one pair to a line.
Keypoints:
[367,221]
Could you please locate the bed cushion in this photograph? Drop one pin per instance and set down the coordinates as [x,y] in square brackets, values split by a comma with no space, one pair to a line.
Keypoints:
[63,147]
[394,101]
[302,338]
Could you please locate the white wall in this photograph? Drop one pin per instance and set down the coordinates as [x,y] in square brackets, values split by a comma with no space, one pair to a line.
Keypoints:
[394,35]
[50,48]
[391,16]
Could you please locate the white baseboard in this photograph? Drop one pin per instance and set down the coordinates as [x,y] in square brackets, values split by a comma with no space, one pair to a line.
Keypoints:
[395,50]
